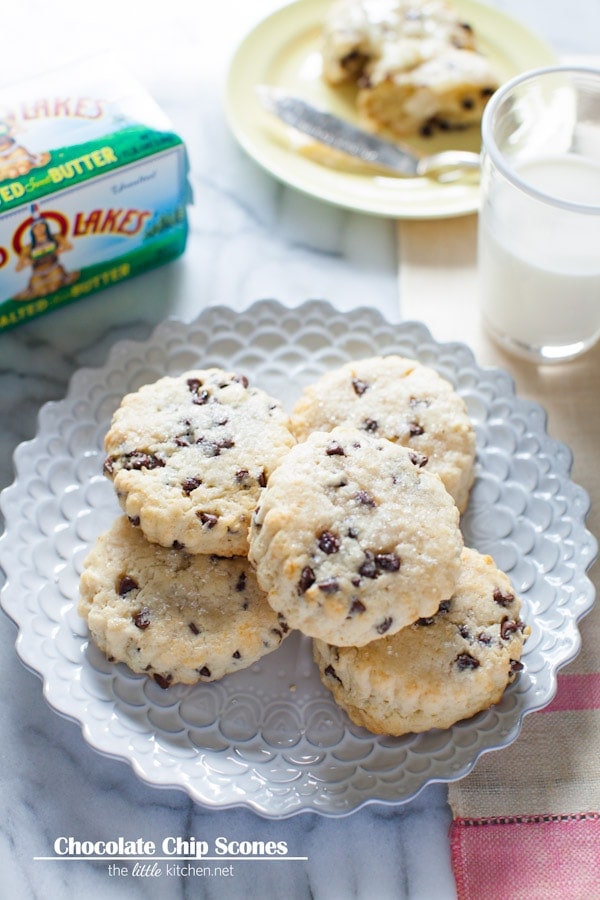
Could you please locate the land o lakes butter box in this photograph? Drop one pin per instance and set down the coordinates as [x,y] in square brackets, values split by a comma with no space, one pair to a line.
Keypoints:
[93,187]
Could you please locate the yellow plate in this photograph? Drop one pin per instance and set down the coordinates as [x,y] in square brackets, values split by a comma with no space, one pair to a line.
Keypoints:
[284,51]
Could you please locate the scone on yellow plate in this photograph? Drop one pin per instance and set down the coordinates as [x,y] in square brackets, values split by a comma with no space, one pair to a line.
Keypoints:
[415,62]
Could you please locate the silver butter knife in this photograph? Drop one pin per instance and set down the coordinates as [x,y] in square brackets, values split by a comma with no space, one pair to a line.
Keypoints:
[335,132]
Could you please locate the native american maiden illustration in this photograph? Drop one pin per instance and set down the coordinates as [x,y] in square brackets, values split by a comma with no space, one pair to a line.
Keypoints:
[42,255]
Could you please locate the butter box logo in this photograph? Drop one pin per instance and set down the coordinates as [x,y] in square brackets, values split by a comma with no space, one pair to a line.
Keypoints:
[93,187]
[15,159]
[39,243]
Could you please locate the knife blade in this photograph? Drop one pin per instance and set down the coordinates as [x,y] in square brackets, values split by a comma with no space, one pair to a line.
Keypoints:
[332,131]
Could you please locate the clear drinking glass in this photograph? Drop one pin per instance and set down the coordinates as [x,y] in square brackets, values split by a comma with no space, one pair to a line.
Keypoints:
[539,222]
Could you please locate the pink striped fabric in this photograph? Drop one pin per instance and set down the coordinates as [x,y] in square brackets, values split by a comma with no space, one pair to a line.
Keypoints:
[576,692]
[529,858]
[534,857]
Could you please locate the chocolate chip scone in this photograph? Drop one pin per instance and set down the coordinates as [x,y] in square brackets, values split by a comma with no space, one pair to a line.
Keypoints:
[401,400]
[173,615]
[189,455]
[415,62]
[351,540]
[441,669]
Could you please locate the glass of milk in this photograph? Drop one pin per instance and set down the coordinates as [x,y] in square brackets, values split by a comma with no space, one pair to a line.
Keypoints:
[539,222]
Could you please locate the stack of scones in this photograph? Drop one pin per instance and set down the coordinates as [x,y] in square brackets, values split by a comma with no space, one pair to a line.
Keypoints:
[341,520]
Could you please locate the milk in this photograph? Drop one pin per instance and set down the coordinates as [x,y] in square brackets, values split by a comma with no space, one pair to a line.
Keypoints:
[540,264]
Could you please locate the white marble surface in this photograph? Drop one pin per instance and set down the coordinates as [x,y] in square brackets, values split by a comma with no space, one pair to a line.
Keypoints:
[250,238]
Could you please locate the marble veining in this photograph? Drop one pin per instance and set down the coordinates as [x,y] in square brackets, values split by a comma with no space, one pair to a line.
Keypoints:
[250,238]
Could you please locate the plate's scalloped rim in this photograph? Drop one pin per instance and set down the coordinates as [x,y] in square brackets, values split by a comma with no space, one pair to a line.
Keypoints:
[560,452]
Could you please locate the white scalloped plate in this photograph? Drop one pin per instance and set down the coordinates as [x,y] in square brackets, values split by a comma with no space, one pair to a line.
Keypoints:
[270,737]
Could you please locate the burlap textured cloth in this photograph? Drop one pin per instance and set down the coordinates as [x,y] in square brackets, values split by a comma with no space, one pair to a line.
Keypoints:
[526,821]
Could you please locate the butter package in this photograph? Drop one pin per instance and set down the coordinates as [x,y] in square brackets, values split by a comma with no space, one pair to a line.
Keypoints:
[93,187]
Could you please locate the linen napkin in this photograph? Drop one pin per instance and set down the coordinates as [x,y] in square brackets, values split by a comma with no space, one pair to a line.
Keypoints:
[526,821]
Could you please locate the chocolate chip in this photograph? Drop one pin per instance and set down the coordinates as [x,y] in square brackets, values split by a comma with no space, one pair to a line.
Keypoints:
[241,379]
[503,599]
[163,681]
[359,386]
[364,499]
[142,618]
[418,459]
[135,520]
[415,429]
[328,542]
[204,671]
[330,586]
[201,398]
[487,91]
[241,582]
[307,578]
[466,661]
[185,437]
[108,466]
[241,475]
[389,562]
[352,532]
[376,562]
[467,103]
[125,584]
[357,606]
[354,62]
[444,606]
[193,628]
[177,545]
[208,519]
[226,444]
[190,484]
[484,638]
[384,626]
[368,569]
[516,666]
[283,624]
[213,448]
[236,655]
[262,479]
[139,459]
[370,425]
[194,384]
[331,673]
[334,449]
[464,632]
[507,628]
[429,620]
